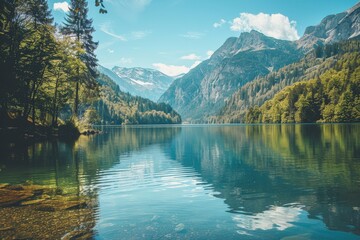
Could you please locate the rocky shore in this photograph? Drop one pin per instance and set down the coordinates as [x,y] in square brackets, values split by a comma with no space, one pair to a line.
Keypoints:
[41,212]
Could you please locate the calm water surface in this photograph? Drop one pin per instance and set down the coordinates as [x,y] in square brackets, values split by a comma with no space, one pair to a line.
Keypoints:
[206,182]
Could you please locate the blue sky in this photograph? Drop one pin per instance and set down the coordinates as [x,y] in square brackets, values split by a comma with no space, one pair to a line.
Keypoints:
[175,35]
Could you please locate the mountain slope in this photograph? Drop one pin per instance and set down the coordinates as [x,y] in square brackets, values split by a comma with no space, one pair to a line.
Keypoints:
[333,28]
[321,57]
[203,91]
[331,97]
[143,82]
[117,107]
[265,88]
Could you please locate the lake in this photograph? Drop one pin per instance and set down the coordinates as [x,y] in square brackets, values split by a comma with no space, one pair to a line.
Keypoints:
[202,181]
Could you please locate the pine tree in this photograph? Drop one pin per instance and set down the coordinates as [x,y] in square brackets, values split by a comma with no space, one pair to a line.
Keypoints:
[77,25]
[38,51]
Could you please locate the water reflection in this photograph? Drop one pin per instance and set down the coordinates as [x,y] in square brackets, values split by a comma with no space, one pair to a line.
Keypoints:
[74,164]
[257,181]
[259,169]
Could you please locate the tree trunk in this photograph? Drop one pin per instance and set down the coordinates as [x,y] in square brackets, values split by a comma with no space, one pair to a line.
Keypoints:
[54,110]
[76,104]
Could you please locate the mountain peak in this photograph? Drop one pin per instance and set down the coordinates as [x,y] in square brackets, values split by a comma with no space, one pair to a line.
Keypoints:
[144,82]
[252,33]
[332,28]
[354,8]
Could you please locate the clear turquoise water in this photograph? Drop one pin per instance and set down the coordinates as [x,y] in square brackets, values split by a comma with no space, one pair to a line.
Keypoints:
[206,182]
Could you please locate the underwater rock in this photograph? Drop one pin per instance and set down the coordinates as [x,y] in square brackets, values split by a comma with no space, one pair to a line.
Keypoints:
[78,234]
[3,185]
[38,212]
[180,227]
[10,197]
[58,205]
[31,202]
[6,229]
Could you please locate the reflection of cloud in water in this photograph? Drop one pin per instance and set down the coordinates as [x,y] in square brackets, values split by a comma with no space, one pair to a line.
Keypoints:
[279,218]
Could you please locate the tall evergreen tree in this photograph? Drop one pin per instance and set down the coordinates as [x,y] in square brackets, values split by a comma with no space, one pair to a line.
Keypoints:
[13,31]
[38,51]
[77,25]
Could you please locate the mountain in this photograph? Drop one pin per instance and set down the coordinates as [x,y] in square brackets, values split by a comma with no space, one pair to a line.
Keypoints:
[333,96]
[118,107]
[203,91]
[333,28]
[226,79]
[314,64]
[321,58]
[143,82]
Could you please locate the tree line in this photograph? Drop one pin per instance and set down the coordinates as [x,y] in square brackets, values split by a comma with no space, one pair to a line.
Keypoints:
[44,68]
[333,96]
[117,107]
[255,93]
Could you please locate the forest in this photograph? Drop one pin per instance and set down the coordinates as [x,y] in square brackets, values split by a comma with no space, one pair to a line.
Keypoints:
[332,96]
[244,105]
[49,72]
[117,107]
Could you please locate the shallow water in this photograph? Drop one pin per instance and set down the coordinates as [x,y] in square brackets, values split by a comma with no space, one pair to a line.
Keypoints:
[205,181]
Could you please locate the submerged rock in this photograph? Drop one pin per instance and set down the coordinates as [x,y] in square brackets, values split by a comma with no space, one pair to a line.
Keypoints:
[6,229]
[11,197]
[31,202]
[78,234]
[180,227]
[39,212]
[58,205]
[3,185]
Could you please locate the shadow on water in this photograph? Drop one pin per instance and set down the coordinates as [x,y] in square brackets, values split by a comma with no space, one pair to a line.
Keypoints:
[257,168]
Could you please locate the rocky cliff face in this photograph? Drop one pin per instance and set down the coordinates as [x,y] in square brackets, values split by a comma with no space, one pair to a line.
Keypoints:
[333,28]
[203,91]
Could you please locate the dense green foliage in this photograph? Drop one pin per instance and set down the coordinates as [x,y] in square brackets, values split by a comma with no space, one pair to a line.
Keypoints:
[49,76]
[40,66]
[117,107]
[334,96]
[247,99]
[79,27]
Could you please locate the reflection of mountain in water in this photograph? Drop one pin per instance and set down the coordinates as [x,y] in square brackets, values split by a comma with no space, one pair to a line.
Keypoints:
[258,169]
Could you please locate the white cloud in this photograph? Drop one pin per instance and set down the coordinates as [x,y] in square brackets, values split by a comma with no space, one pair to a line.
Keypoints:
[124,60]
[61,6]
[219,23]
[209,53]
[106,28]
[273,25]
[191,56]
[174,70]
[192,35]
[171,70]
[110,51]
[136,35]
